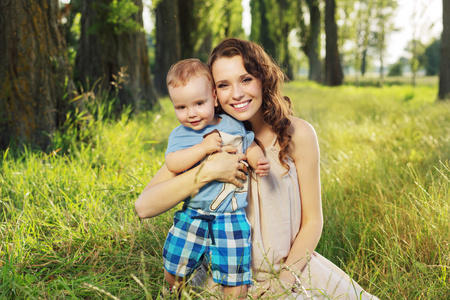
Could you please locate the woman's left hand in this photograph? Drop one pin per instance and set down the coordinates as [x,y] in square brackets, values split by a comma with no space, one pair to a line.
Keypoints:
[273,289]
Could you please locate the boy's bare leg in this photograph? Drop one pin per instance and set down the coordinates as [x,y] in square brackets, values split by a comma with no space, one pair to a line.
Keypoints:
[172,280]
[236,291]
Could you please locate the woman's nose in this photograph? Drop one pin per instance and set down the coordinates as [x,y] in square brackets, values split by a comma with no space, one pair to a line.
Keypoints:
[238,93]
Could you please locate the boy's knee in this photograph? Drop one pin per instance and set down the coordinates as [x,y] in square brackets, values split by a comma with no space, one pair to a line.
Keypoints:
[236,291]
[170,278]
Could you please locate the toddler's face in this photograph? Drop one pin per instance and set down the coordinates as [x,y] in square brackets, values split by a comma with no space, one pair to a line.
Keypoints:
[194,103]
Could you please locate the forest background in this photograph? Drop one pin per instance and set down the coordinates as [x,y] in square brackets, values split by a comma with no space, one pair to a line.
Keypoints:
[84,120]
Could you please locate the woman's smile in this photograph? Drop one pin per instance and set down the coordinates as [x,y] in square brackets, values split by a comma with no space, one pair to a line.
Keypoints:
[241,105]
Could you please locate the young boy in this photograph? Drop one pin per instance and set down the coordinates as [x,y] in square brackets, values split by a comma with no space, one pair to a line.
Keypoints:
[213,223]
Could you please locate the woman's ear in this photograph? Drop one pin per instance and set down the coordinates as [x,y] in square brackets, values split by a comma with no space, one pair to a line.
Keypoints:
[216,101]
[218,109]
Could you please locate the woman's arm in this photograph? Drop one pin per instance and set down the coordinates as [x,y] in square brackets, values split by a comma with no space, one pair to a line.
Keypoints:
[304,150]
[166,189]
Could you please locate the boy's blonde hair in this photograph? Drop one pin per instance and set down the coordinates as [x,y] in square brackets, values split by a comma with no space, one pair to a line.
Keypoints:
[180,73]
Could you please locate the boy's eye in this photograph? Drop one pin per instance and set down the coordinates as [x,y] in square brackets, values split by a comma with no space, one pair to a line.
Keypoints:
[200,103]
[180,107]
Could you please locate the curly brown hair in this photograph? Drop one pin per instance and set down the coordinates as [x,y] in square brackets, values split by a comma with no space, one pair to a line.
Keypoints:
[276,107]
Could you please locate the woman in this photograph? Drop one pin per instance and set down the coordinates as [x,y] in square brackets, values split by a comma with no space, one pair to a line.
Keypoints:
[285,207]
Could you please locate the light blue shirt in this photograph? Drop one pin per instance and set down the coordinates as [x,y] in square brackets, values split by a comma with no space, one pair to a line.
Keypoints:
[215,196]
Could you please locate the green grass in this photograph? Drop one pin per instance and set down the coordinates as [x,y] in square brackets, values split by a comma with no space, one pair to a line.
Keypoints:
[385,177]
[374,80]
[69,231]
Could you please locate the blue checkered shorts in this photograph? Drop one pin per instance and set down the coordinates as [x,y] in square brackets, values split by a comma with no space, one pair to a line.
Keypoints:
[189,241]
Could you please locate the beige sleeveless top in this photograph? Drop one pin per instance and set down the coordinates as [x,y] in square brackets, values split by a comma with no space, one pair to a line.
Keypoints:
[274,211]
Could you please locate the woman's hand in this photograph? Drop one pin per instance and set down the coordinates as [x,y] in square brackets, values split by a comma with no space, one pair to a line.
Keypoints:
[225,166]
[273,289]
[167,189]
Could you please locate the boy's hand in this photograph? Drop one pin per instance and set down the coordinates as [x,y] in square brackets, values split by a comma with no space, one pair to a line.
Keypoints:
[263,167]
[212,143]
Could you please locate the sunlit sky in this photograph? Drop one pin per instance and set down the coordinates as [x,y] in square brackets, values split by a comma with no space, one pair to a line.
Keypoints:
[426,24]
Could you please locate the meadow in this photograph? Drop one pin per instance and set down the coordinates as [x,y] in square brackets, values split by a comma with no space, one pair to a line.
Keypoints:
[69,230]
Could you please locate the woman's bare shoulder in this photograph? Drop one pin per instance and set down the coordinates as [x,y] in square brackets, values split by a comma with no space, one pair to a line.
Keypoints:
[302,130]
[304,138]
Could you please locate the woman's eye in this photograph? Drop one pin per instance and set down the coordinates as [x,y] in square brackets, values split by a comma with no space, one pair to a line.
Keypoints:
[222,85]
[248,79]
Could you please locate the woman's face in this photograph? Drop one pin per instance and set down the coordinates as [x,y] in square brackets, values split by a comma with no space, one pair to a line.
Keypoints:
[239,93]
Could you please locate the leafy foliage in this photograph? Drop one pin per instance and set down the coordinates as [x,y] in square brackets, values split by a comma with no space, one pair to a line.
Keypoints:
[272,21]
[216,21]
[363,31]
[432,57]
[117,17]
[397,68]
[93,108]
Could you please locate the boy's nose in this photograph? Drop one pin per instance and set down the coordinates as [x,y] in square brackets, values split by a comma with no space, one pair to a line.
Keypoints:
[192,112]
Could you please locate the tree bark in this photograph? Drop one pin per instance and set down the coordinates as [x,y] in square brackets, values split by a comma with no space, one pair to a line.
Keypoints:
[364,62]
[286,61]
[384,15]
[286,24]
[261,31]
[103,52]
[34,72]
[333,69]
[444,76]
[188,26]
[312,46]
[265,36]
[167,50]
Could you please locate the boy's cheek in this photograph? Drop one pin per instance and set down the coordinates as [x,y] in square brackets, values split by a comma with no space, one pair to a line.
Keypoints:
[179,117]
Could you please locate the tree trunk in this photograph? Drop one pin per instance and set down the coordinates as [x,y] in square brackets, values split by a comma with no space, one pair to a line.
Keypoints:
[286,25]
[444,76]
[381,43]
[188,26]
[385,10]
[261,32]
[364,62]
[266,38]
[34,72]
[381,83]
[168,50]
[364,32]
[104,50]
[286,62]
[313,43]
[333,69]
[229,14]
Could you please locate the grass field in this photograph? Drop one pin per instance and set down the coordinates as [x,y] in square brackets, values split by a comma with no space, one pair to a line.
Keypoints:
[69,231]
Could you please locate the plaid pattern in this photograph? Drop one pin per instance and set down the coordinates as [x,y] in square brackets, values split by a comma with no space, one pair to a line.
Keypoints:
[188,242]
